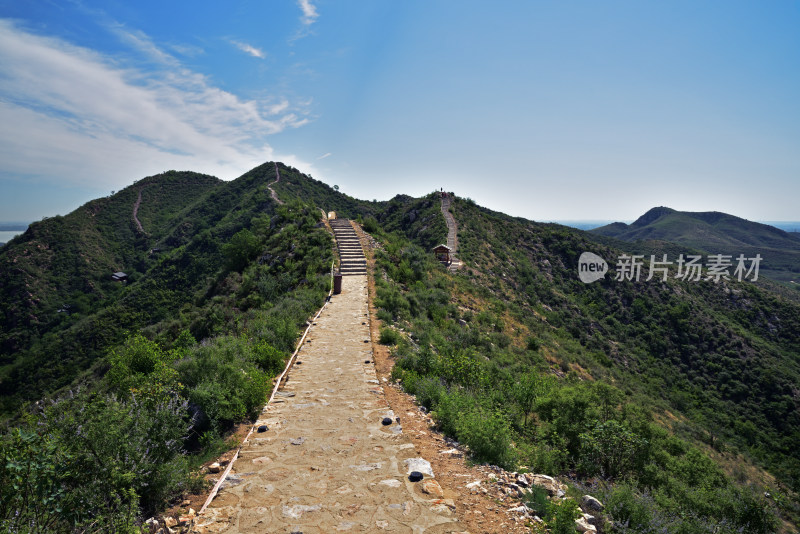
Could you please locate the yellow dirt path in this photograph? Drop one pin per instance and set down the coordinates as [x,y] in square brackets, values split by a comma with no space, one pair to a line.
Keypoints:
[326,462]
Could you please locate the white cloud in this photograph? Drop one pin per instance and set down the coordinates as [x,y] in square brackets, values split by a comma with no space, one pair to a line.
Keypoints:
[309,12]
[249,49]
[325,155]
[72,114]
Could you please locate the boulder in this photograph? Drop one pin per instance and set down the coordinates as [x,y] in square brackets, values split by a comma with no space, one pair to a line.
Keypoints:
[213,468]
[582,525]
[589,503]
[522,480]
[546,482]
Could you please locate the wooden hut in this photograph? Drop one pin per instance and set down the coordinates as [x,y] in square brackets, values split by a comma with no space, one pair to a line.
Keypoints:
[442,253]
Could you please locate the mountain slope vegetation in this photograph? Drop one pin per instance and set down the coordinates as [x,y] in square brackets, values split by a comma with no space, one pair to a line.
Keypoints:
[666,391]
[674,401]
[140,388]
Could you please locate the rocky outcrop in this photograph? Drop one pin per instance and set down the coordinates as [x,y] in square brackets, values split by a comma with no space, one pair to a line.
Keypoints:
[582,524]
[590,504]
[551,485]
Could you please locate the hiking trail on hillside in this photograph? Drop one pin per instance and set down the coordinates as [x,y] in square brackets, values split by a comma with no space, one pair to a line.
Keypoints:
[136,211]
[452,232]
[329,455]
[269,186]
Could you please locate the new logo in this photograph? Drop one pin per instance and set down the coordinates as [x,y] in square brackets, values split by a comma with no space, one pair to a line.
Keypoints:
[591,267]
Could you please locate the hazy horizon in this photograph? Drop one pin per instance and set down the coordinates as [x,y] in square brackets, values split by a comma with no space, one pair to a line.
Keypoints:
[580,224]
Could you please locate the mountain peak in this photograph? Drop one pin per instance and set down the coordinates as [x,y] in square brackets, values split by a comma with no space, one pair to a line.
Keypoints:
[651,216]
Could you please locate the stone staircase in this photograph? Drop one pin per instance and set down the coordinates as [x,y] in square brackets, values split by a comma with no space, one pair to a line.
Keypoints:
[351,255]
[452,233]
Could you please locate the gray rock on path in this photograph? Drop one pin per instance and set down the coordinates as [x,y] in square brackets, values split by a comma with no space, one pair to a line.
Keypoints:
[419,464]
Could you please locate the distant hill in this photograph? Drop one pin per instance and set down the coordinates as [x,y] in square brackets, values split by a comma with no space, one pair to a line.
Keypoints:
[715,233]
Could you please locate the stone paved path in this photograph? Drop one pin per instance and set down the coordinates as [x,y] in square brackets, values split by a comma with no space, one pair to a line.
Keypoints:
[452,233]
[327,463]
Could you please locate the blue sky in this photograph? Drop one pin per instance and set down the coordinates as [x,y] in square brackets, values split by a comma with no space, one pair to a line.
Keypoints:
[546,110]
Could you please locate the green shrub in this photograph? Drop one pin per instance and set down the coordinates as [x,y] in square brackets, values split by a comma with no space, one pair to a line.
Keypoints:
[609,449]
[460,367]
[626,506]
[488,436]
[370,224]
[223,381]
[392,301]
[37,477]
[452,406]
[533,344]
[538,501]
[268,358]
[91,462]
[547,458]
[429,391]
[140,365]
[563,516]
[389,336]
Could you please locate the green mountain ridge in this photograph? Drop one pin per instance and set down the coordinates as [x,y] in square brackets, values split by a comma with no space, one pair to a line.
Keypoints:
[222,278]
[715,233]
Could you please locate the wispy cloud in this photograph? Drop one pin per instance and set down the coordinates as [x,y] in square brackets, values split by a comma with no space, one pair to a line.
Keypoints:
[141,42]
[309,12]
[325,155]
[249,49]
[87,119]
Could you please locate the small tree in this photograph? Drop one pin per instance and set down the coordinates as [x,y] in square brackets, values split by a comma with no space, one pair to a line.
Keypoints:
[241,248]
[609,449]
[530,387]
